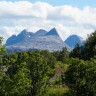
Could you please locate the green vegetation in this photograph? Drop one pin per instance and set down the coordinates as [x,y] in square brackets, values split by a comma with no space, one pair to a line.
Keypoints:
[44,73]
[81,77]
[56,91]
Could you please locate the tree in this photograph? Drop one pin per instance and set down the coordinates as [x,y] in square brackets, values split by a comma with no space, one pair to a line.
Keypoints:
[2,50]
[64,55]
[75,52]
[56,54]
[27,74]
[51,60]
[15,80]
[38,72]
[2,67]
[81,77]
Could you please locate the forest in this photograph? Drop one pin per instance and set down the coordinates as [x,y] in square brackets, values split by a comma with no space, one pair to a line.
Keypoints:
[44,73]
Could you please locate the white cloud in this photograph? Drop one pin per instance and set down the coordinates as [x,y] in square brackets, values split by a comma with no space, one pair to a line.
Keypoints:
[68,20]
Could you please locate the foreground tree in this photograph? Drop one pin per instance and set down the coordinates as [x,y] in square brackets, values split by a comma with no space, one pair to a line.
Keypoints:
[51,60]
[76,52]
[2,67]
[27,74]
[62,55]
[2,50]
[81,77]
[38,72]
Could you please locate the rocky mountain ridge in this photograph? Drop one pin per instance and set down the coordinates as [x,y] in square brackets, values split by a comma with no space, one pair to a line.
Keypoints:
[42,40]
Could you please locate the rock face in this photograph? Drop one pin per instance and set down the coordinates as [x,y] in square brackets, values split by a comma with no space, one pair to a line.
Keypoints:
[42,40]
[73,39]
[17,39]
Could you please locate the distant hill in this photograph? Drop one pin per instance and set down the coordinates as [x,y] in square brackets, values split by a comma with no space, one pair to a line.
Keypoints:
[42,40]
[73,39]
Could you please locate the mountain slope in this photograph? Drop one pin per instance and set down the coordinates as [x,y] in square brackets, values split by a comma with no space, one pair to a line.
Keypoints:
[52,32]
[17,39]
[72,40]
[42,40]
[40,32]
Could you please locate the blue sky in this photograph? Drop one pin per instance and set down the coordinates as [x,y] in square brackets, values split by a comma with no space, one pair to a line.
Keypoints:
[75,3]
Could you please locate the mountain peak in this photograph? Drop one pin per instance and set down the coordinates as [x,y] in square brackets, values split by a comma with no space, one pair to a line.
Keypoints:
[73,39]
[41,32]
[53,32]
[24,31]
[76,36]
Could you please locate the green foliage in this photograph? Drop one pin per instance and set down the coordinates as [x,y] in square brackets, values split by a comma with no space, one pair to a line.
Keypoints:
[51,60]
[2,50]
[56,54]
[21,81]
[58,81]
[81,77]
[3,76]
[62,55]
[75,52]
[16,80]
[38,71]
[27,74]
[56,91]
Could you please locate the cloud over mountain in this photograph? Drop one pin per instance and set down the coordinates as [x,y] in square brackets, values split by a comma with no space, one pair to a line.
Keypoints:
[68,20]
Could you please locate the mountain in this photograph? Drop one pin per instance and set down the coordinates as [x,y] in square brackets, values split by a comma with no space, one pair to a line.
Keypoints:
[16,39]
[53,32]
[73,39]
[40,32]
[41,39]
